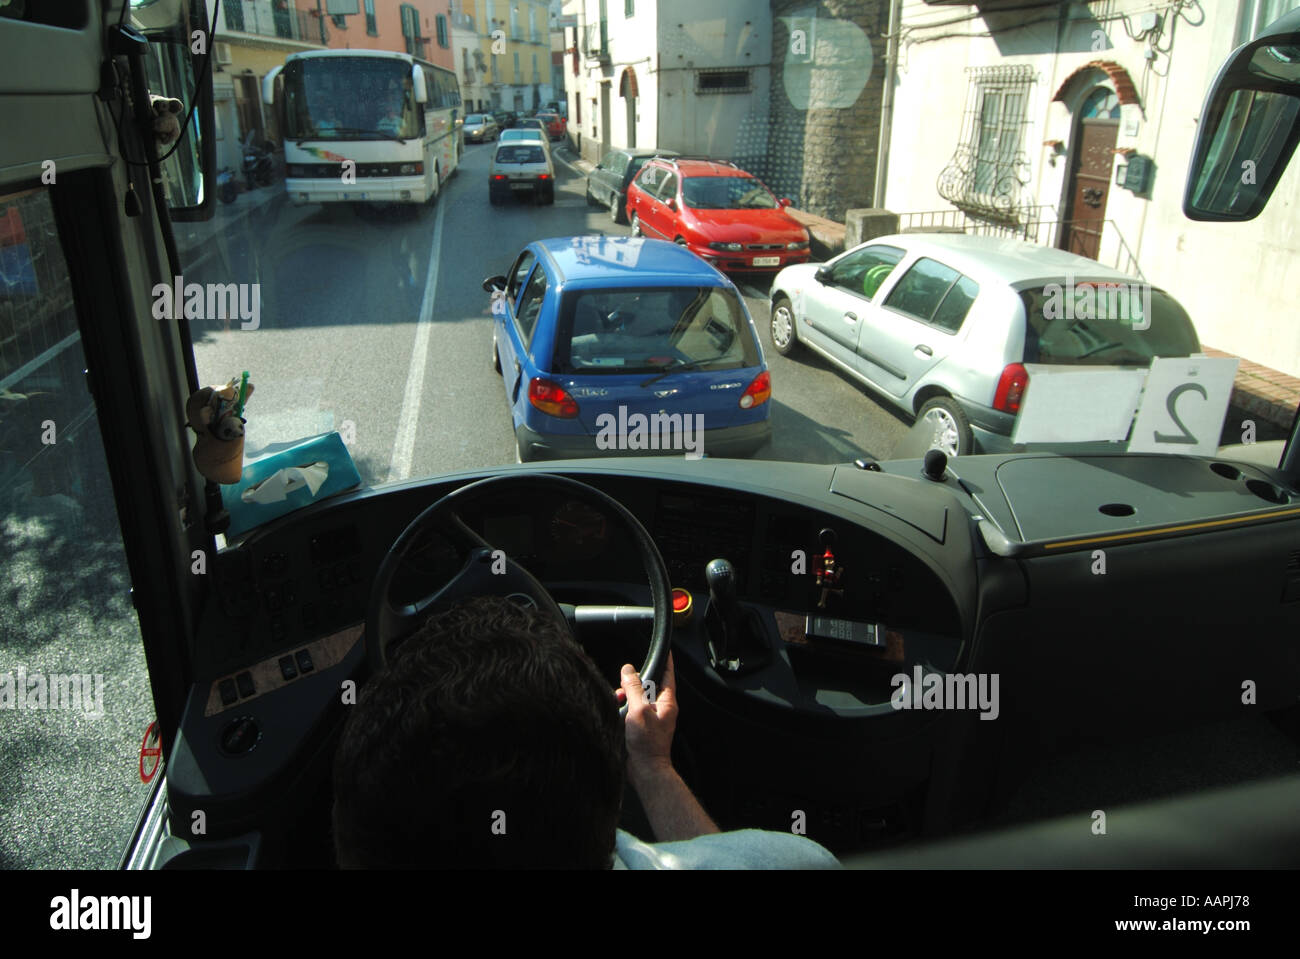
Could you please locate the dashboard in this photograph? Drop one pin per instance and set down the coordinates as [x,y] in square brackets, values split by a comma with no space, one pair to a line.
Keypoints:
[986,571]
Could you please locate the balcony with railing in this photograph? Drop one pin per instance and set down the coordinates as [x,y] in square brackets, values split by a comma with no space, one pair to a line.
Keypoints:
[273,18]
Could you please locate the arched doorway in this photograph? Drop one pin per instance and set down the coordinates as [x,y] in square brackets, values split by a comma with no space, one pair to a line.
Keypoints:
[627,89]
[1092,158]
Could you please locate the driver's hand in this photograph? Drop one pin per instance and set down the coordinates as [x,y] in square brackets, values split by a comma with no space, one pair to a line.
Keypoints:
[649,725]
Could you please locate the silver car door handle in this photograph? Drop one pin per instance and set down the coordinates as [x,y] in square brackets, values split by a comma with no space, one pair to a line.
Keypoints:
[922,348]
[850,317]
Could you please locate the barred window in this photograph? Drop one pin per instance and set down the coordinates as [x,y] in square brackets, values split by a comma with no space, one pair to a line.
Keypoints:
[990,168]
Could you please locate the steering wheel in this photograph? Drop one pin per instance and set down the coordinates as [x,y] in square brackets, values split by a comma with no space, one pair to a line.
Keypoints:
[386,623]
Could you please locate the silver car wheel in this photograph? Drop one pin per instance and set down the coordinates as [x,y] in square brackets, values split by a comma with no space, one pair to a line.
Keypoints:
[782,328]
[945,431]
[636,225]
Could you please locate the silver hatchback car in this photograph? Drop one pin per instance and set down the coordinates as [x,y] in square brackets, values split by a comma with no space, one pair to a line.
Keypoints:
[942,325]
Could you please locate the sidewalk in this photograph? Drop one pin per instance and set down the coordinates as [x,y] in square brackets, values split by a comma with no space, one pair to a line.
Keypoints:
[1266,393]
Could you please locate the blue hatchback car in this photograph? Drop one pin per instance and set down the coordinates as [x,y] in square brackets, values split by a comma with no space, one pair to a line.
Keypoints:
[626,346]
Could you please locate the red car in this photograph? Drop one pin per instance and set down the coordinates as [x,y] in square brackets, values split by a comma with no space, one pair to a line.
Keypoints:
[554,124]
[719,212]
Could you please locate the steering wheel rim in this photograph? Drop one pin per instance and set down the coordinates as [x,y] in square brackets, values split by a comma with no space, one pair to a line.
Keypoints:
[386,623]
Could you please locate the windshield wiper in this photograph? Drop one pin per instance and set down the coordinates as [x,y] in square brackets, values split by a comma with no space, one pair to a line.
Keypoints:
[680,366]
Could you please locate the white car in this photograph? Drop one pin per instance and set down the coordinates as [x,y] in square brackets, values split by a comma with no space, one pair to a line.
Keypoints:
[517,135]
[941,325]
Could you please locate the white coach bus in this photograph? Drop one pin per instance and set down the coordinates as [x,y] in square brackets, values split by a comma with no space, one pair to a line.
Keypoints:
[366,126]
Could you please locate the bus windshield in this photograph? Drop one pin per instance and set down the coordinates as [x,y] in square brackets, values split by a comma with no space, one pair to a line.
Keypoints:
[349,98]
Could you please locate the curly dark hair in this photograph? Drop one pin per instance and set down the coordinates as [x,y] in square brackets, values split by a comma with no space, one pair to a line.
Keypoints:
[489,740]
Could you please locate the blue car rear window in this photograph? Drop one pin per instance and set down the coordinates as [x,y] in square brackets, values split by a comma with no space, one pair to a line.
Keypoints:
[649,329]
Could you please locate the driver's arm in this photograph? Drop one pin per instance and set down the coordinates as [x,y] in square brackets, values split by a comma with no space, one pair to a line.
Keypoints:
[672,809]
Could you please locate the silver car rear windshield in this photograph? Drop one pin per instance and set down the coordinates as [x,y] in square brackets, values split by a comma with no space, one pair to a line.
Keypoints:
[649,330]
[520,154]
[1104,323]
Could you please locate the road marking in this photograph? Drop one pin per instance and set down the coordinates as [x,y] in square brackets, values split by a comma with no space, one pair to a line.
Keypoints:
[404,447]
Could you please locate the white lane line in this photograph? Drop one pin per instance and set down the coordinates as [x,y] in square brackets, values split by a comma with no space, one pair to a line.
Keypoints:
[404,446]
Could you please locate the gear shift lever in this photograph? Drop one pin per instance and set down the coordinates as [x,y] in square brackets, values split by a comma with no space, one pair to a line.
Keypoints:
[721,577]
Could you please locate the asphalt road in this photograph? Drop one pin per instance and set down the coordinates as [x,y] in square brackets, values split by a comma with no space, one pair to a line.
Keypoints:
[380,322]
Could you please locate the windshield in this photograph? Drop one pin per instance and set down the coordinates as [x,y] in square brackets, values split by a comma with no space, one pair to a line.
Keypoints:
[366,314]
[349,98]
[653,330]
[726,193]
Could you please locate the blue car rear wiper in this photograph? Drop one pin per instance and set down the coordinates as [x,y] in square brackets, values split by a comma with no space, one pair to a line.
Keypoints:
[681,366]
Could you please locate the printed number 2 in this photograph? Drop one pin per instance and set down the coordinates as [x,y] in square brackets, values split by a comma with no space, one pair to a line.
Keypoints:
[1170,402]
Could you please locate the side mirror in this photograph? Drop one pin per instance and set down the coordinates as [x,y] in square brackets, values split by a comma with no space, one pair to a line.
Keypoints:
[419,84]
[1249,128]
[822,275]
[672,205]
[784,202]
[497,282]
[172,68]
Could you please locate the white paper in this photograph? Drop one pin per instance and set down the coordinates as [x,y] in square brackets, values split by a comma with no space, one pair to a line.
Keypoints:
[1184,405]
[1071,404]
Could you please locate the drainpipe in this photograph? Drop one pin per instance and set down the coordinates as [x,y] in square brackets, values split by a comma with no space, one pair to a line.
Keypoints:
[887,103]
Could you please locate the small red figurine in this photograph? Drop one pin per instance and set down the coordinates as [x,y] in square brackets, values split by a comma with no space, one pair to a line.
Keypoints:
[828,577]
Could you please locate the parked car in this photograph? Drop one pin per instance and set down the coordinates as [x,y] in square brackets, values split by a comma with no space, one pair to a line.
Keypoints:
[505,118]
[521,168]
[480,127]
[607,183]
[941,325]
[598,337]
[525,135]
[717,211]
[555,125]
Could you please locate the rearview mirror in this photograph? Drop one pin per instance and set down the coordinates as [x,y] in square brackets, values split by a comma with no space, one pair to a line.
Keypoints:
[785,201]
[1249,128]
[497,282]
[176,65]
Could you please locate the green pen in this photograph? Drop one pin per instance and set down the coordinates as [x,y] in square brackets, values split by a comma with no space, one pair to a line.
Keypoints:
[243,391]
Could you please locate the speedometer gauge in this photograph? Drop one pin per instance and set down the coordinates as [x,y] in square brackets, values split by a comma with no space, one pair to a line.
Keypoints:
[579,528]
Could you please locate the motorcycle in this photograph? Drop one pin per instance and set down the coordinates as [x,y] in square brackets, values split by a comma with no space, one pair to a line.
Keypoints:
[226,189]
[259,168]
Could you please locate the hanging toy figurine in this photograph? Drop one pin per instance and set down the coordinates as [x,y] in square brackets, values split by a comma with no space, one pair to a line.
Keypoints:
[216,414]
[828,574]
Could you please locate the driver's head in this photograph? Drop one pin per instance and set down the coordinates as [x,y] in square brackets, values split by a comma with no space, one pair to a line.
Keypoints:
[490,740]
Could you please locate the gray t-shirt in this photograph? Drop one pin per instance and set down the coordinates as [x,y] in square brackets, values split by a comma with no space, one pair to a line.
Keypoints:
[740,849]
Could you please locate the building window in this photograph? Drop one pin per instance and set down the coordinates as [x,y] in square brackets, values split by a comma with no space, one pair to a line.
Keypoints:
[340,21]
[989,169]
[441,21]
[1254,15]
[629,8]
[516,66]
[722,81]
[371,27]
[411,29]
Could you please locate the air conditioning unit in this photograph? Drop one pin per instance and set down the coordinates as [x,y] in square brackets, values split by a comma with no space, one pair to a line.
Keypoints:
[222,53]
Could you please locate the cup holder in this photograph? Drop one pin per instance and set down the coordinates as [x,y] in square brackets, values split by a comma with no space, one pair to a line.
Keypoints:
[1267,491]
[1117,509]
[1226,471]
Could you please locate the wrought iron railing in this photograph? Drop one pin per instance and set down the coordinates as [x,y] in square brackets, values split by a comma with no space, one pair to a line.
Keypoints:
[1042,226]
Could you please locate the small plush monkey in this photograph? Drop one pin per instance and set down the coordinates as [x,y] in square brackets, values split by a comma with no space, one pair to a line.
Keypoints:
[167,112]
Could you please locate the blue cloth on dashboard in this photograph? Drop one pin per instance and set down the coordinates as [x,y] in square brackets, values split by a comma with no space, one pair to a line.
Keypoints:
[740,849]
